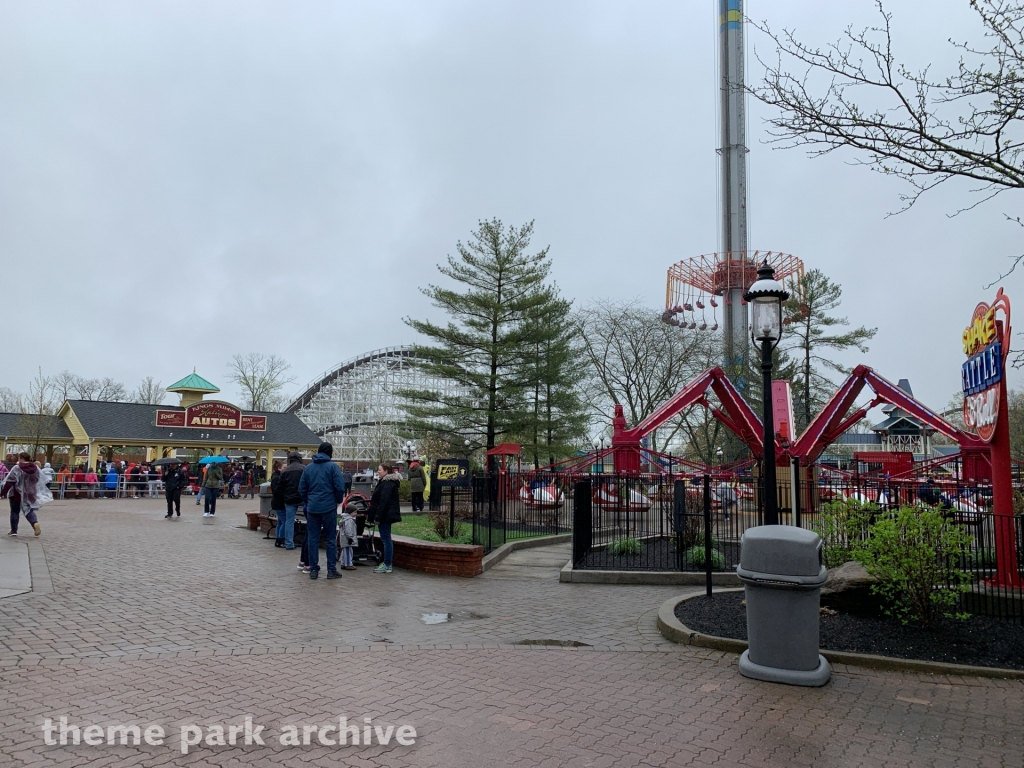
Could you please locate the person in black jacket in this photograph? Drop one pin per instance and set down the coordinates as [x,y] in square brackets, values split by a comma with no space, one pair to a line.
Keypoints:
[277,503]
[384,511]
[288,487]
[174,480]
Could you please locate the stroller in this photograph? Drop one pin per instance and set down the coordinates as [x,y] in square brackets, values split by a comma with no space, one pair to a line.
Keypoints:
[363,550]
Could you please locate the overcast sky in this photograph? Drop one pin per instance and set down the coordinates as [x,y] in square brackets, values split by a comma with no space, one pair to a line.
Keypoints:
[181,181]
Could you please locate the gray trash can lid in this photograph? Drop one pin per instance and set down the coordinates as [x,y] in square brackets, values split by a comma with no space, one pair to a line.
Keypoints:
[781,550]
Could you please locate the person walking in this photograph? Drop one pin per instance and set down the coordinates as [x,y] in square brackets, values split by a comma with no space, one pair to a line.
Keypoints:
[291,474]
[384,511]
[211,489]
[175,480]
[417,484]
[23,488]
[322,490]
[277,503]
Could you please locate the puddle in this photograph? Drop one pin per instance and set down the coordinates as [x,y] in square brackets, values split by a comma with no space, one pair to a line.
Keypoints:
[436,618]
[443,618]
[557,643]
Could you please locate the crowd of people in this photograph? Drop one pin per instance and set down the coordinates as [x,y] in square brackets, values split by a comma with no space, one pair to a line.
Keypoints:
[138,480]
[318,487]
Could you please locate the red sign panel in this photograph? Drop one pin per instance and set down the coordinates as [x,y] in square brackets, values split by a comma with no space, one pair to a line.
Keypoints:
[211,414]
[170,418]
[254,423]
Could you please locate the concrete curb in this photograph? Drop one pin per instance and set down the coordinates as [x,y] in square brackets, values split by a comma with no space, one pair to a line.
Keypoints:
[509,547]
[672,629]
[657,578]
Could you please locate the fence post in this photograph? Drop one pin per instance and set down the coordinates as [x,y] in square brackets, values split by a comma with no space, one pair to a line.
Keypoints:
[707,531]
[582,521]
[451,514]
[794,473]
[679,518]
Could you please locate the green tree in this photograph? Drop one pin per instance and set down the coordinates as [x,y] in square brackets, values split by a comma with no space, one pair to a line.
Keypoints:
[555,421]
[810,334]
[482,348]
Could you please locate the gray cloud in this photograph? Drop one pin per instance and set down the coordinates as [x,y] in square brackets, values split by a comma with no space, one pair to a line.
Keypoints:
[190,180]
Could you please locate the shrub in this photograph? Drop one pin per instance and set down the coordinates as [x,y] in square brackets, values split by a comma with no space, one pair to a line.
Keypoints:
[842,526]
[915,555]
[439,521]
[695,556]
[404,494]
[625,546]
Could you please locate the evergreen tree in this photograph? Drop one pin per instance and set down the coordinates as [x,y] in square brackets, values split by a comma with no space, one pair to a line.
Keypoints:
[808,336]
[555,420]
[489,335]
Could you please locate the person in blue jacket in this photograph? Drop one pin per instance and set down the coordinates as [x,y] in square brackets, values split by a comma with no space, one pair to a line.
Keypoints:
[111,481]
[322,489]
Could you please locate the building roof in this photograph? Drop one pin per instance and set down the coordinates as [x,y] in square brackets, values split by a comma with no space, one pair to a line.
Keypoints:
[192,383]
[24,425]
[858,438]
[133,421]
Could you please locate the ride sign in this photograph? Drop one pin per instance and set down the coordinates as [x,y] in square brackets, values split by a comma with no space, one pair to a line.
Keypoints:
[986,342]
[211,414]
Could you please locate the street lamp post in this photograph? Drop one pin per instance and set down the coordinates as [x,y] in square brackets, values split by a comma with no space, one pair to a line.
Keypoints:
[765,297]
[409,450]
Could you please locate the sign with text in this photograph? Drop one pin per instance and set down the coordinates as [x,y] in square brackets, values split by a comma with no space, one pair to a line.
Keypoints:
[452,472]
[986,342]
[211,414]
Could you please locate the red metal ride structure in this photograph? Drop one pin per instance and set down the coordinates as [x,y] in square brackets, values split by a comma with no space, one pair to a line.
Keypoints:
[697,286]
[737,416]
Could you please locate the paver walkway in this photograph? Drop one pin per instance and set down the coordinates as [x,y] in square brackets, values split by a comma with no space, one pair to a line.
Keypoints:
[176,623]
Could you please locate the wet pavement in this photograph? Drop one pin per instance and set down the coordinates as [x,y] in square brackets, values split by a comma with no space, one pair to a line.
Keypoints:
[179,623]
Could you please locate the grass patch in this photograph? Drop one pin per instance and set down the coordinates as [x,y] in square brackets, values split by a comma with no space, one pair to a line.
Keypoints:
[422,527]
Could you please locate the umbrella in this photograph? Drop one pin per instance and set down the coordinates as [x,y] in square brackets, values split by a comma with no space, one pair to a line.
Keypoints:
[162,462]
[214,460]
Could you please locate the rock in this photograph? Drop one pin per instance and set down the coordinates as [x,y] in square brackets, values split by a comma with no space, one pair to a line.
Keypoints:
[848,589]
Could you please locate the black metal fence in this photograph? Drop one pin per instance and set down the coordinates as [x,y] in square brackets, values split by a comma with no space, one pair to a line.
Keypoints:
[510,506]
[656,523]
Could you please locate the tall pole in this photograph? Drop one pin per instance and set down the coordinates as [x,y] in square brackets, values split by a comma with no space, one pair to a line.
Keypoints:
[733,153]
[771,513]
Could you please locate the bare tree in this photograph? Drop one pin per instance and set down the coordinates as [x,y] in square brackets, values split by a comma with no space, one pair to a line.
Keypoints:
[150,392]
[638,361]
[111,391]
[40,406]
[64,385]
[11,401]
[920,128]
[261,379]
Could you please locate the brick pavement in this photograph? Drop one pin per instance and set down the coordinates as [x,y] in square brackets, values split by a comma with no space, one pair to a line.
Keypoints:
[151,621]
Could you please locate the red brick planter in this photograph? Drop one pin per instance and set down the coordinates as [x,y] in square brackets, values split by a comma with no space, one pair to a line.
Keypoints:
[437,557]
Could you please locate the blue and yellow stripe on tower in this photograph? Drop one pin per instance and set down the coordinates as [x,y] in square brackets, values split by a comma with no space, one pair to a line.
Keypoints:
[730,14]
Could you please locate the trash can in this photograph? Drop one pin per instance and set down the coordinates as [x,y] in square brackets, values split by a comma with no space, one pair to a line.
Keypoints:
[266,498]
[363,484]
[781,570]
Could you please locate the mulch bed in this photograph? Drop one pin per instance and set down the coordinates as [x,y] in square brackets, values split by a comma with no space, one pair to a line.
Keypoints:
[655,555]
[978,641]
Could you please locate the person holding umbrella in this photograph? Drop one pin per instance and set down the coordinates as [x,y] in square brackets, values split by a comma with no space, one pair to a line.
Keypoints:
[212,483]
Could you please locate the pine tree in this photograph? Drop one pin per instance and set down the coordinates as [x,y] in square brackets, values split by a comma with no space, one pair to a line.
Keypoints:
[555,419]
[808,336]
[482,348]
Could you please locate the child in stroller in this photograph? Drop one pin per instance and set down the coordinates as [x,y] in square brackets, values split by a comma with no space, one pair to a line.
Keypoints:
[355,542]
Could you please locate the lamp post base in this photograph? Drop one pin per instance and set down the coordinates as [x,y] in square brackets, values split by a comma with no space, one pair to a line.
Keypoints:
[814,678]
